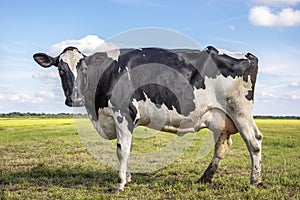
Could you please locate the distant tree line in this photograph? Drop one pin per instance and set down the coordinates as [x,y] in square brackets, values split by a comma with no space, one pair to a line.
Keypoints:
[39,115]
[70,115]
[275,117]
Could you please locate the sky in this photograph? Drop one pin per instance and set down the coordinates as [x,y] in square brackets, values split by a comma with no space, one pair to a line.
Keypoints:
[267,28]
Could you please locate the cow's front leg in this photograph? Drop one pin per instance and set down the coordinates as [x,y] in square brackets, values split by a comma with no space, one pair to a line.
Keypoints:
[123,153]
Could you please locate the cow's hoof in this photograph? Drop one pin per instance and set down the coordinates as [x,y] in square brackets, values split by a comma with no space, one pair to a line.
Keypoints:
[204,180]
[116,191]
[128,183]
[258,185]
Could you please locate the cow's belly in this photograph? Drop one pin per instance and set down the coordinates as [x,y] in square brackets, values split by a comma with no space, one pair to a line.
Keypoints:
[165,119]
[148,114]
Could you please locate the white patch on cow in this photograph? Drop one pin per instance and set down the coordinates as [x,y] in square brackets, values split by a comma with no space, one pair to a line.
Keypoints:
[138,115]
[123,125]
[225,93]
[128,73]
[113,54]
[72,58]
[236,95]
[237,55]
[119,70]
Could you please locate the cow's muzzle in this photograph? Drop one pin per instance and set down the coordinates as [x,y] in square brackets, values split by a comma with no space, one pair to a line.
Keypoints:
[76,99]
[75,102]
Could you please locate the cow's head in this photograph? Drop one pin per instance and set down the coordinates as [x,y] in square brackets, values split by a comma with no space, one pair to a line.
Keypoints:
[72,73]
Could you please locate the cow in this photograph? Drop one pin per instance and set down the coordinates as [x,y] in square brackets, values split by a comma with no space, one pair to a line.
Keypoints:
[174,90]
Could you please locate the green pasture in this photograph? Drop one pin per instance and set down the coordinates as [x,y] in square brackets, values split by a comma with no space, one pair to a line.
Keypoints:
[46,159]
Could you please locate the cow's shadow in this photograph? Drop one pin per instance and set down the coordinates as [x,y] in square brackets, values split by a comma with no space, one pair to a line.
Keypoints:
[47,176]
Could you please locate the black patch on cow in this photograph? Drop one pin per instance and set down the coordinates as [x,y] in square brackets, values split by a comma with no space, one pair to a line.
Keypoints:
[252,71]
[67,80]
[159,95]
[250,96]
[181,101]
[120,119]
[118,145]
[69,49]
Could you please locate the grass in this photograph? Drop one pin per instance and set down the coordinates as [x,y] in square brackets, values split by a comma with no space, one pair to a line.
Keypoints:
[46,159]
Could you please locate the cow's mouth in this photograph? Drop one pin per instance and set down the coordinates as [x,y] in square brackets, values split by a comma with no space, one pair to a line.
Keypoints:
[76,102]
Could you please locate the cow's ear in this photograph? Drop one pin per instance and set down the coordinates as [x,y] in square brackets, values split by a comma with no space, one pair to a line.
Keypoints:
[44,60]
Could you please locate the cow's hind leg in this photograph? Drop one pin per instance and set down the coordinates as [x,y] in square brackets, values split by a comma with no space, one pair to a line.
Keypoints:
[222,145]
[222,127]
[253,139]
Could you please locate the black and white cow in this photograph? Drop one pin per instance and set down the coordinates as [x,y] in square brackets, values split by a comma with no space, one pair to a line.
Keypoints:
[178,91]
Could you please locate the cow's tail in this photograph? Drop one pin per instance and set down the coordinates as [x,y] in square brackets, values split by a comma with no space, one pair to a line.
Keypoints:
[253,69]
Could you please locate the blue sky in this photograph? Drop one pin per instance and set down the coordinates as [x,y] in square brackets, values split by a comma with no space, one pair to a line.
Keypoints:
[267,28]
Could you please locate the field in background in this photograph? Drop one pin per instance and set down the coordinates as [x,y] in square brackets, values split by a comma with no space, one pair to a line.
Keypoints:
[45,159]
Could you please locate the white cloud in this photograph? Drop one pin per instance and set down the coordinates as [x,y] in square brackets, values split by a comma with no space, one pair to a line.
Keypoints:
[264,94]
[264,16]
[14,97]
[50,75]
[87,45]
[44,100]
[47,77]
[274,13]
[294,84]
[26,98]
[45,94]
[295,97]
